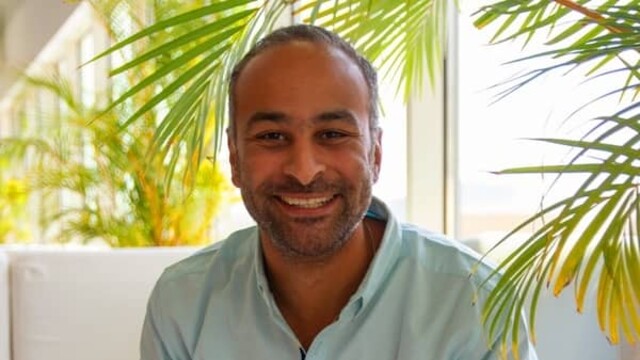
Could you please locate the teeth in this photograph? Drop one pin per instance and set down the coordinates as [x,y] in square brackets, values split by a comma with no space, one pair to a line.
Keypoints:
[306,203]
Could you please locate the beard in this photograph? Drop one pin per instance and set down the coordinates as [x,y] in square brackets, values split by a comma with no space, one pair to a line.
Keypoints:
[309,238]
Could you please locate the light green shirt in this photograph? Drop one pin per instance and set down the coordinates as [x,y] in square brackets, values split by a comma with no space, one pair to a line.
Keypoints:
[414,303]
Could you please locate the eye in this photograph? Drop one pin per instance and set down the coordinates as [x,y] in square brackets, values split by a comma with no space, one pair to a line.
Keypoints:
[271,136]
[332,135]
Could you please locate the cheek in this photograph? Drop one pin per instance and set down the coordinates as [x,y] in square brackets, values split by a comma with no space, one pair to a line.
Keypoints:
[254,170]
[356,167]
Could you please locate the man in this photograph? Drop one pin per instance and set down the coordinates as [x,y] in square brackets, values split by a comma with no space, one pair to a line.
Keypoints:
[328,273]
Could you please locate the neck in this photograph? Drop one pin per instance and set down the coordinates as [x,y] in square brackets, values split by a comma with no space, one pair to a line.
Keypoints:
[311,294]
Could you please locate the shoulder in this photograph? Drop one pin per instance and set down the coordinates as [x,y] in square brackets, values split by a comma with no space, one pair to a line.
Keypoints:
[451,284]
[183,291]
[437,253]
[218,259]
[430,255]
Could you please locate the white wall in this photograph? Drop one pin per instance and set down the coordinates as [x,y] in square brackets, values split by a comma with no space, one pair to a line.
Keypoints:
[563,333]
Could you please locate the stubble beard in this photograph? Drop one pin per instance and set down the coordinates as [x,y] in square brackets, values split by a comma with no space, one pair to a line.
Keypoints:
[309,239]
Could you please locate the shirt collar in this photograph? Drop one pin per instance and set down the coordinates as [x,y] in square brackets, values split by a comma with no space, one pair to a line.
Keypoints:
[261,277]
[387,253]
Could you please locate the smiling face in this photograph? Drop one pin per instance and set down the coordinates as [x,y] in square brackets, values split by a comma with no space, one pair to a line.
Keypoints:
[302,152]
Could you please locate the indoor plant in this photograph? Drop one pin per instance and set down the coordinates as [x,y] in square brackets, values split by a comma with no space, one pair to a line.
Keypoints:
[93,178]
[592,234]
[111,193]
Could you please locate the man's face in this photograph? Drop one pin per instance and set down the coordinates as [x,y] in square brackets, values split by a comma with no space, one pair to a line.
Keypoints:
[303,154]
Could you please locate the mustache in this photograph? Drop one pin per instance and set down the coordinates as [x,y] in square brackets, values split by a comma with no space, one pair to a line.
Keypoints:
[294,186]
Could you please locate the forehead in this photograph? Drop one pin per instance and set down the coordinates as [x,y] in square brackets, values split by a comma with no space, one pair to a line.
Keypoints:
[300,79]
[299,55]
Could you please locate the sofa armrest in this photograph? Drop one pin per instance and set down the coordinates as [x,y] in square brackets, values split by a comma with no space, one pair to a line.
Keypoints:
[5,319]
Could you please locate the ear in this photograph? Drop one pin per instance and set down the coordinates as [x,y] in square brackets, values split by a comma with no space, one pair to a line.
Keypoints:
[376,153]
[233,158]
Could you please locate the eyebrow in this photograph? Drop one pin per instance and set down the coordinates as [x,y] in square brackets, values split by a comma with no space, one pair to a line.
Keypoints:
[268,116]
[280,117]
[343,115]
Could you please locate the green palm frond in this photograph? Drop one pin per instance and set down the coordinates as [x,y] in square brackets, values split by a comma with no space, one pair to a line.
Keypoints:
[404,39]
[606,35]
[18,148]
[589,238]
[56,85]
[198,41]
[115,194]
[594,230]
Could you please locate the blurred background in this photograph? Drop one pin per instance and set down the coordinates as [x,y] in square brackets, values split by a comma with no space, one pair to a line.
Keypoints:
[71,177]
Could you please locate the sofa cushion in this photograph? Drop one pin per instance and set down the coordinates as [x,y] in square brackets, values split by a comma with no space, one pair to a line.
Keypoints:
[83,304]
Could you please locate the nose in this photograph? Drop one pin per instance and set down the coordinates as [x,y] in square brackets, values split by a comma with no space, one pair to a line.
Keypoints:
[304,162]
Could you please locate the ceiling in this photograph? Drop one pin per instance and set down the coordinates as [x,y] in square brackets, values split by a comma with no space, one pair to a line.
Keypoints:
[6,9]
[6,6]
[26,13]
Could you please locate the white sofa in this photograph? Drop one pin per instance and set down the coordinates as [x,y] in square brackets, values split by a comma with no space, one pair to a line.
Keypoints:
[76,304]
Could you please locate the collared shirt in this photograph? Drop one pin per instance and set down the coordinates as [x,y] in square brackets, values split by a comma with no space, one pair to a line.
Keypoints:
[415,302]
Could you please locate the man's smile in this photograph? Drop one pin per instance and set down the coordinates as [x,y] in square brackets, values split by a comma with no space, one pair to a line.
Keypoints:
[306,202]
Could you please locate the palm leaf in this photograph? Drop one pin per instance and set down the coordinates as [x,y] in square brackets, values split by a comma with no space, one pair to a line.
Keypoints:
[587,228]
[403,37]
[164,25]
[584,235]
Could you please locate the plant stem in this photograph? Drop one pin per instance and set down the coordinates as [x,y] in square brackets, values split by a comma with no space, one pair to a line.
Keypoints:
[591,14]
